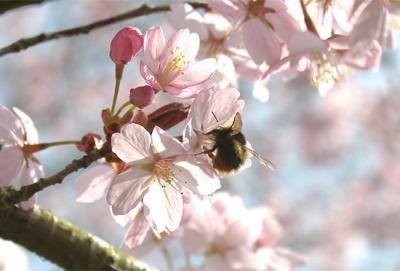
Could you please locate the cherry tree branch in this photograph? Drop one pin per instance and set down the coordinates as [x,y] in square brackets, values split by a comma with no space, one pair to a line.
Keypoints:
[25,43]
[6,5]
[10,196]
[61,242]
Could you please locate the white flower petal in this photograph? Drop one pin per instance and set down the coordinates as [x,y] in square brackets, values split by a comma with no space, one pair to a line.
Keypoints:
[93,184]
[132,145]
[196,174]
[30,130]
[11,161]
[165,144]
[11,121]
[163,207]
[127,189]
[136,231]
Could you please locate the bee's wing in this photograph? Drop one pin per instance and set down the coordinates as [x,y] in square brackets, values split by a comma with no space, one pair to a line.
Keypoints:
[265,162]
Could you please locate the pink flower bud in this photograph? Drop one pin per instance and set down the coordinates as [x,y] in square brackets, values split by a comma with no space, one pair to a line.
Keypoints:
[141,96]
[125,45]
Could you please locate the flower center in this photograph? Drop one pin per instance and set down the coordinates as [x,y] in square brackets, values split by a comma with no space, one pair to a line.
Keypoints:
[162,171]
[178,62]
[324,73]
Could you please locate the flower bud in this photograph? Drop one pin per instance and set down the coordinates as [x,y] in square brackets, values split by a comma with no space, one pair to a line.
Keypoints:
[125,45]
[89,142]
[141,96]
[168,116]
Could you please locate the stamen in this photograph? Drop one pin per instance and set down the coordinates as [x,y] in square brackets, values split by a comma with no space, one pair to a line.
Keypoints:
[324,73]
[179,61]
[163,172]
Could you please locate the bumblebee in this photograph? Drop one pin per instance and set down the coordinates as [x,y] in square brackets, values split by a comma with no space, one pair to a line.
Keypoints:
[230,148]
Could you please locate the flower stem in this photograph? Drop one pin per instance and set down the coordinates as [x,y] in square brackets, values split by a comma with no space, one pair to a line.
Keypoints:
[32,148]
[122,108]
[119,68]
[168,259]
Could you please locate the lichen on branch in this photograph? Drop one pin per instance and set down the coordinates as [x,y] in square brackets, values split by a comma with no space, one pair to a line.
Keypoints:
[61,242]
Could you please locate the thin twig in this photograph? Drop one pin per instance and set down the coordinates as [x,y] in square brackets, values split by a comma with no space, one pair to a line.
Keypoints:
[25,43]
[6,5]
[10,196]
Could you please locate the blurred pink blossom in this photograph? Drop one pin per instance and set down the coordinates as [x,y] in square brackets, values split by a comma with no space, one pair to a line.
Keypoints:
[229,242]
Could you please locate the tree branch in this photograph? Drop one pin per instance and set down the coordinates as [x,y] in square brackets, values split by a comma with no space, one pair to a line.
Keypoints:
[11,196]
[7,5]
[25,43]
[61,242]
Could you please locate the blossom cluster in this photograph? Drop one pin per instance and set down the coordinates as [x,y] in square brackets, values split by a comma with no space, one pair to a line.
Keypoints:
[158,185]
[255,39]
[156,180]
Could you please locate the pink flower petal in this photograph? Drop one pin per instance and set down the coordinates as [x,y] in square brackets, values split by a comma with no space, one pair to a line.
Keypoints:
[261,42]
[154,43]
[284,24]
[127,189]
[149,76]
[163,207]
[8,136]
[132,144]
[165,144]
[302,43]
[196,74]
[178,42]
[93,184]
[11,161]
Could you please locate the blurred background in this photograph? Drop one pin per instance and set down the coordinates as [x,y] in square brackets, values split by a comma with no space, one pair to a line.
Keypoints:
[337,187]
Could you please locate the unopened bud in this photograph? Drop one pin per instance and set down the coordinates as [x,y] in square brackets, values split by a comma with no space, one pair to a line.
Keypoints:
[125,45]
[168,115]
[141,96]
[141,119]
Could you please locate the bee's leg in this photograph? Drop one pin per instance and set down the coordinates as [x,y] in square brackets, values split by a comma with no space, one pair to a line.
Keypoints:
[207,151]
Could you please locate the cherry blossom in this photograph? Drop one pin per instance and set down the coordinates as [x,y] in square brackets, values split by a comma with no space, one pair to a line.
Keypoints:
[265,26]
[18,134]
[171,66]
[159,169]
